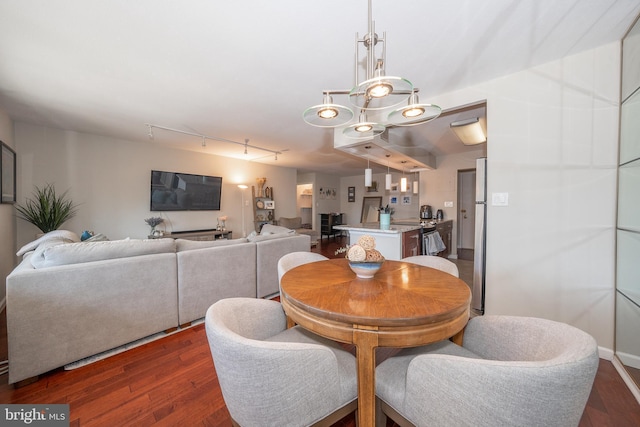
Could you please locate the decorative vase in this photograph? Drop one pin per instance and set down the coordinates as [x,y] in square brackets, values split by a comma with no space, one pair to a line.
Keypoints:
[385,221]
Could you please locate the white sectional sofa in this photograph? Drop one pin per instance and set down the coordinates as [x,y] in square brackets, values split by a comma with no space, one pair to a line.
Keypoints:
[67,301]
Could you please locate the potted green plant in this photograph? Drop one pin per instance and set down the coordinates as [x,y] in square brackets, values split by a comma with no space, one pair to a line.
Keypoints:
[47,210]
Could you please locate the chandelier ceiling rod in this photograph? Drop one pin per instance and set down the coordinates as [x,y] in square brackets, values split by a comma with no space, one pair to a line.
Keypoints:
[245,144]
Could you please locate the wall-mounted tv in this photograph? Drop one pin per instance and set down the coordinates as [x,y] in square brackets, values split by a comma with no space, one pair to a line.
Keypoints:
[173,191]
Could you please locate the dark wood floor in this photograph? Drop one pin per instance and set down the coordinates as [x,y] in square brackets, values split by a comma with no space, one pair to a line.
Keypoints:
[172,382]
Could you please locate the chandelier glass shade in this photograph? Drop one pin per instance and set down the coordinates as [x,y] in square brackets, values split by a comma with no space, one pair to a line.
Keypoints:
[414,113]
[377,92]
[328,114]
[363,128]
[381,92]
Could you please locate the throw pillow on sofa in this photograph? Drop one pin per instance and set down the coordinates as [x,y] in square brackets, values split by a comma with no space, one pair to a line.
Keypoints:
[275,229]
[60,236]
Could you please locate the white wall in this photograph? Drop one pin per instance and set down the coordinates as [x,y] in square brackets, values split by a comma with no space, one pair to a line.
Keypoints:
[110,179]
[353,210]
[552,146]
[7,222]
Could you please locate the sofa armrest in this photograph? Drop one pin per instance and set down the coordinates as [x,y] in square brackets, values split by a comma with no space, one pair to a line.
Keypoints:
[58,315]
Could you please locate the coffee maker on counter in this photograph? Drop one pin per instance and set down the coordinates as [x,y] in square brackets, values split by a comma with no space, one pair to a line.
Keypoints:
[426,212]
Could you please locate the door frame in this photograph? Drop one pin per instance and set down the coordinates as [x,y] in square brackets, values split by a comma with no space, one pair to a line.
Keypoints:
[460,215]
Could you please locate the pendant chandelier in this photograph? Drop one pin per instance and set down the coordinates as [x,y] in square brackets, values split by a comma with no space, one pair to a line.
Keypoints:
[380,100]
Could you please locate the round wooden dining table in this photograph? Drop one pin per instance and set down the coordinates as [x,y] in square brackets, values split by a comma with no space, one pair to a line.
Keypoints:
[403,305]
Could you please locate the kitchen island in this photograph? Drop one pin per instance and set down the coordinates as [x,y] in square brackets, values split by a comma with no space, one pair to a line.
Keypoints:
[395,243]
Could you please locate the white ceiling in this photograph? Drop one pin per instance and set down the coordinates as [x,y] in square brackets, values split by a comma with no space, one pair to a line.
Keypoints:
[247,69]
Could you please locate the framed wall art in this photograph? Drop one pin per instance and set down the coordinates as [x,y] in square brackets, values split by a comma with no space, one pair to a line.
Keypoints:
[8,174]
[370,209]
[351,194]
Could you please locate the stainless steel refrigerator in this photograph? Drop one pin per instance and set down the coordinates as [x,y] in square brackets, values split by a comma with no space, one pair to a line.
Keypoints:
[479,259]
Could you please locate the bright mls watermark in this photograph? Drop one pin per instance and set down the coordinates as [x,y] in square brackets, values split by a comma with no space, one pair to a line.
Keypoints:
[34,415]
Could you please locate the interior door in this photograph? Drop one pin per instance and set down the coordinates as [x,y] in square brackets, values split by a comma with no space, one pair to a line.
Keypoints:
[466,213]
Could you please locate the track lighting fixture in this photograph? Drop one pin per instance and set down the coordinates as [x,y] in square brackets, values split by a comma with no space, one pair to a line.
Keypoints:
[212,138]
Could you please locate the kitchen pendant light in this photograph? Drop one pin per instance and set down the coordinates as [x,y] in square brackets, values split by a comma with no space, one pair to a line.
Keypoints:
[367,175]
[387,177]
[415,185]
[403,180]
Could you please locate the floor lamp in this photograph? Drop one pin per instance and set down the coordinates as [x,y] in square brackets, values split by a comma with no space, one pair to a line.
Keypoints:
[243,187]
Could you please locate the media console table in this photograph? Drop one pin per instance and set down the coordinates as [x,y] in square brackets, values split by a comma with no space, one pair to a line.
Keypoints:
[210,234]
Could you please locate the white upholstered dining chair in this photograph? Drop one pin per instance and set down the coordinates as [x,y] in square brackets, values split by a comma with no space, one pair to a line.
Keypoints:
[434,262]
[273,376]
[295,259]
[510,371]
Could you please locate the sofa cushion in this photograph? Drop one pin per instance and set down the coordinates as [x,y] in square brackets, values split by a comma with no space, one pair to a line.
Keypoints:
[291,223]
[75,253]
[263,237]
[187,245]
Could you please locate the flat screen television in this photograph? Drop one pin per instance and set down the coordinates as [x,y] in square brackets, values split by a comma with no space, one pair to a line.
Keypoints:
[173,191]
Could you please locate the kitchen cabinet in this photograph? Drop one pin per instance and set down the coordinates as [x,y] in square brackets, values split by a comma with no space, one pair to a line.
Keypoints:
[445,228]
[411,243]
[394,243]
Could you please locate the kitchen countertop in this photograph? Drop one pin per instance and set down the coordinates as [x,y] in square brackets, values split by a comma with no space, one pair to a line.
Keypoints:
[375,228]
[430,224]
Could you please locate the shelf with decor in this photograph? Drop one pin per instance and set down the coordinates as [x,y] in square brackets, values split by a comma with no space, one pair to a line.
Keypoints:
[264,208]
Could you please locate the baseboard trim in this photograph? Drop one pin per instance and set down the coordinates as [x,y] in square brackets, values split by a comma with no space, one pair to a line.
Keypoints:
[605,353]
[626,378]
